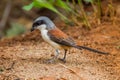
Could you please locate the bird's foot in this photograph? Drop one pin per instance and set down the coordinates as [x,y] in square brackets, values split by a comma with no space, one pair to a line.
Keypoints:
[63,60]
[50,61]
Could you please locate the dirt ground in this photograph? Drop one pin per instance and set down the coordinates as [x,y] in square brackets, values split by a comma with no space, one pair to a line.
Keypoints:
[25,57]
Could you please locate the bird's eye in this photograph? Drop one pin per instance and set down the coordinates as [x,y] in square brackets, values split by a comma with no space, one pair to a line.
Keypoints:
[36,24]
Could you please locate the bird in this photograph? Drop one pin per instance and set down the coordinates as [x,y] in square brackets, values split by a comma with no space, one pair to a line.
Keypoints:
[57,38]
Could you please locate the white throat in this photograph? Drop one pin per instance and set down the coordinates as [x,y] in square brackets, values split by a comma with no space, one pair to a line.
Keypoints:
[42,27]
[44,34]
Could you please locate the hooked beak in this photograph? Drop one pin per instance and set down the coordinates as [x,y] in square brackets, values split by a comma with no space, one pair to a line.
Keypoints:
[32,29]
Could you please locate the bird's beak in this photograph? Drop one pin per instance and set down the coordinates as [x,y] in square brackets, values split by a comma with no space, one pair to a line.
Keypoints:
[32,29]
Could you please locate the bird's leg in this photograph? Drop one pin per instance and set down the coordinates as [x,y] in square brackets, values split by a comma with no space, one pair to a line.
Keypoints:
[55,57]
[64,58]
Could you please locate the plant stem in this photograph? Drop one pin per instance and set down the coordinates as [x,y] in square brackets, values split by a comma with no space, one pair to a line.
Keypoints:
[84,15]
[99,11]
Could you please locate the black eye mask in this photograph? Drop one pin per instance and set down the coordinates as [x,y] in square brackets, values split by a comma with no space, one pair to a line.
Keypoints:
[40,22]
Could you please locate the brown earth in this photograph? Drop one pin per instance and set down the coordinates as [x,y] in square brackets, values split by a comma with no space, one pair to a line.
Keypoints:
[24,57]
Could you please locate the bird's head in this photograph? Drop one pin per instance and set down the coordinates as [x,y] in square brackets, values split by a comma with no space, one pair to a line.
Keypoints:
[42,23]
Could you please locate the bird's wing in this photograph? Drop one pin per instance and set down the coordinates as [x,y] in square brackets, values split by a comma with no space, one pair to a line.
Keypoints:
[58,36]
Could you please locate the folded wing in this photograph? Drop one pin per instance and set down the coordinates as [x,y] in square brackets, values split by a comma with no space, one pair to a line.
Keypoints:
[58,36]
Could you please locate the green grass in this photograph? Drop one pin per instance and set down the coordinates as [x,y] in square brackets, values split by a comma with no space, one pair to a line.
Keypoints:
[76,14]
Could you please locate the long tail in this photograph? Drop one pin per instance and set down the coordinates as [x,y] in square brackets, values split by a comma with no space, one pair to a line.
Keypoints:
[90,49]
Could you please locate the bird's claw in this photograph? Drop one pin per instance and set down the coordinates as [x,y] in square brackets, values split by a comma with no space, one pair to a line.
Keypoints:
[63,60]
[50,61]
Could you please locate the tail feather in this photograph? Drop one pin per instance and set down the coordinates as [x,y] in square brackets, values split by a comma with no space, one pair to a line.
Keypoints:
[90,49]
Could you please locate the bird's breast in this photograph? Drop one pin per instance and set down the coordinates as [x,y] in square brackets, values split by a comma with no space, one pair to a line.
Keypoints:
[44,34]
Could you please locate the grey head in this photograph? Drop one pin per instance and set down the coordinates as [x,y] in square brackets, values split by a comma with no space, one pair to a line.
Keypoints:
[43,20]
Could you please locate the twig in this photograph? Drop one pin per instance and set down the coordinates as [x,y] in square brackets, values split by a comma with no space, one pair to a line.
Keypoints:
[5,15]
[71,71]
[12,65]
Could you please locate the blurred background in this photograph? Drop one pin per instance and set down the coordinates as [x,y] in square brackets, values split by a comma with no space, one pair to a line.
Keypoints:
[16,16]
[92,23]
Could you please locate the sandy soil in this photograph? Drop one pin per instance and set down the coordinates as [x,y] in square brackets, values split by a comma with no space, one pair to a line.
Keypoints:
[24,57]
